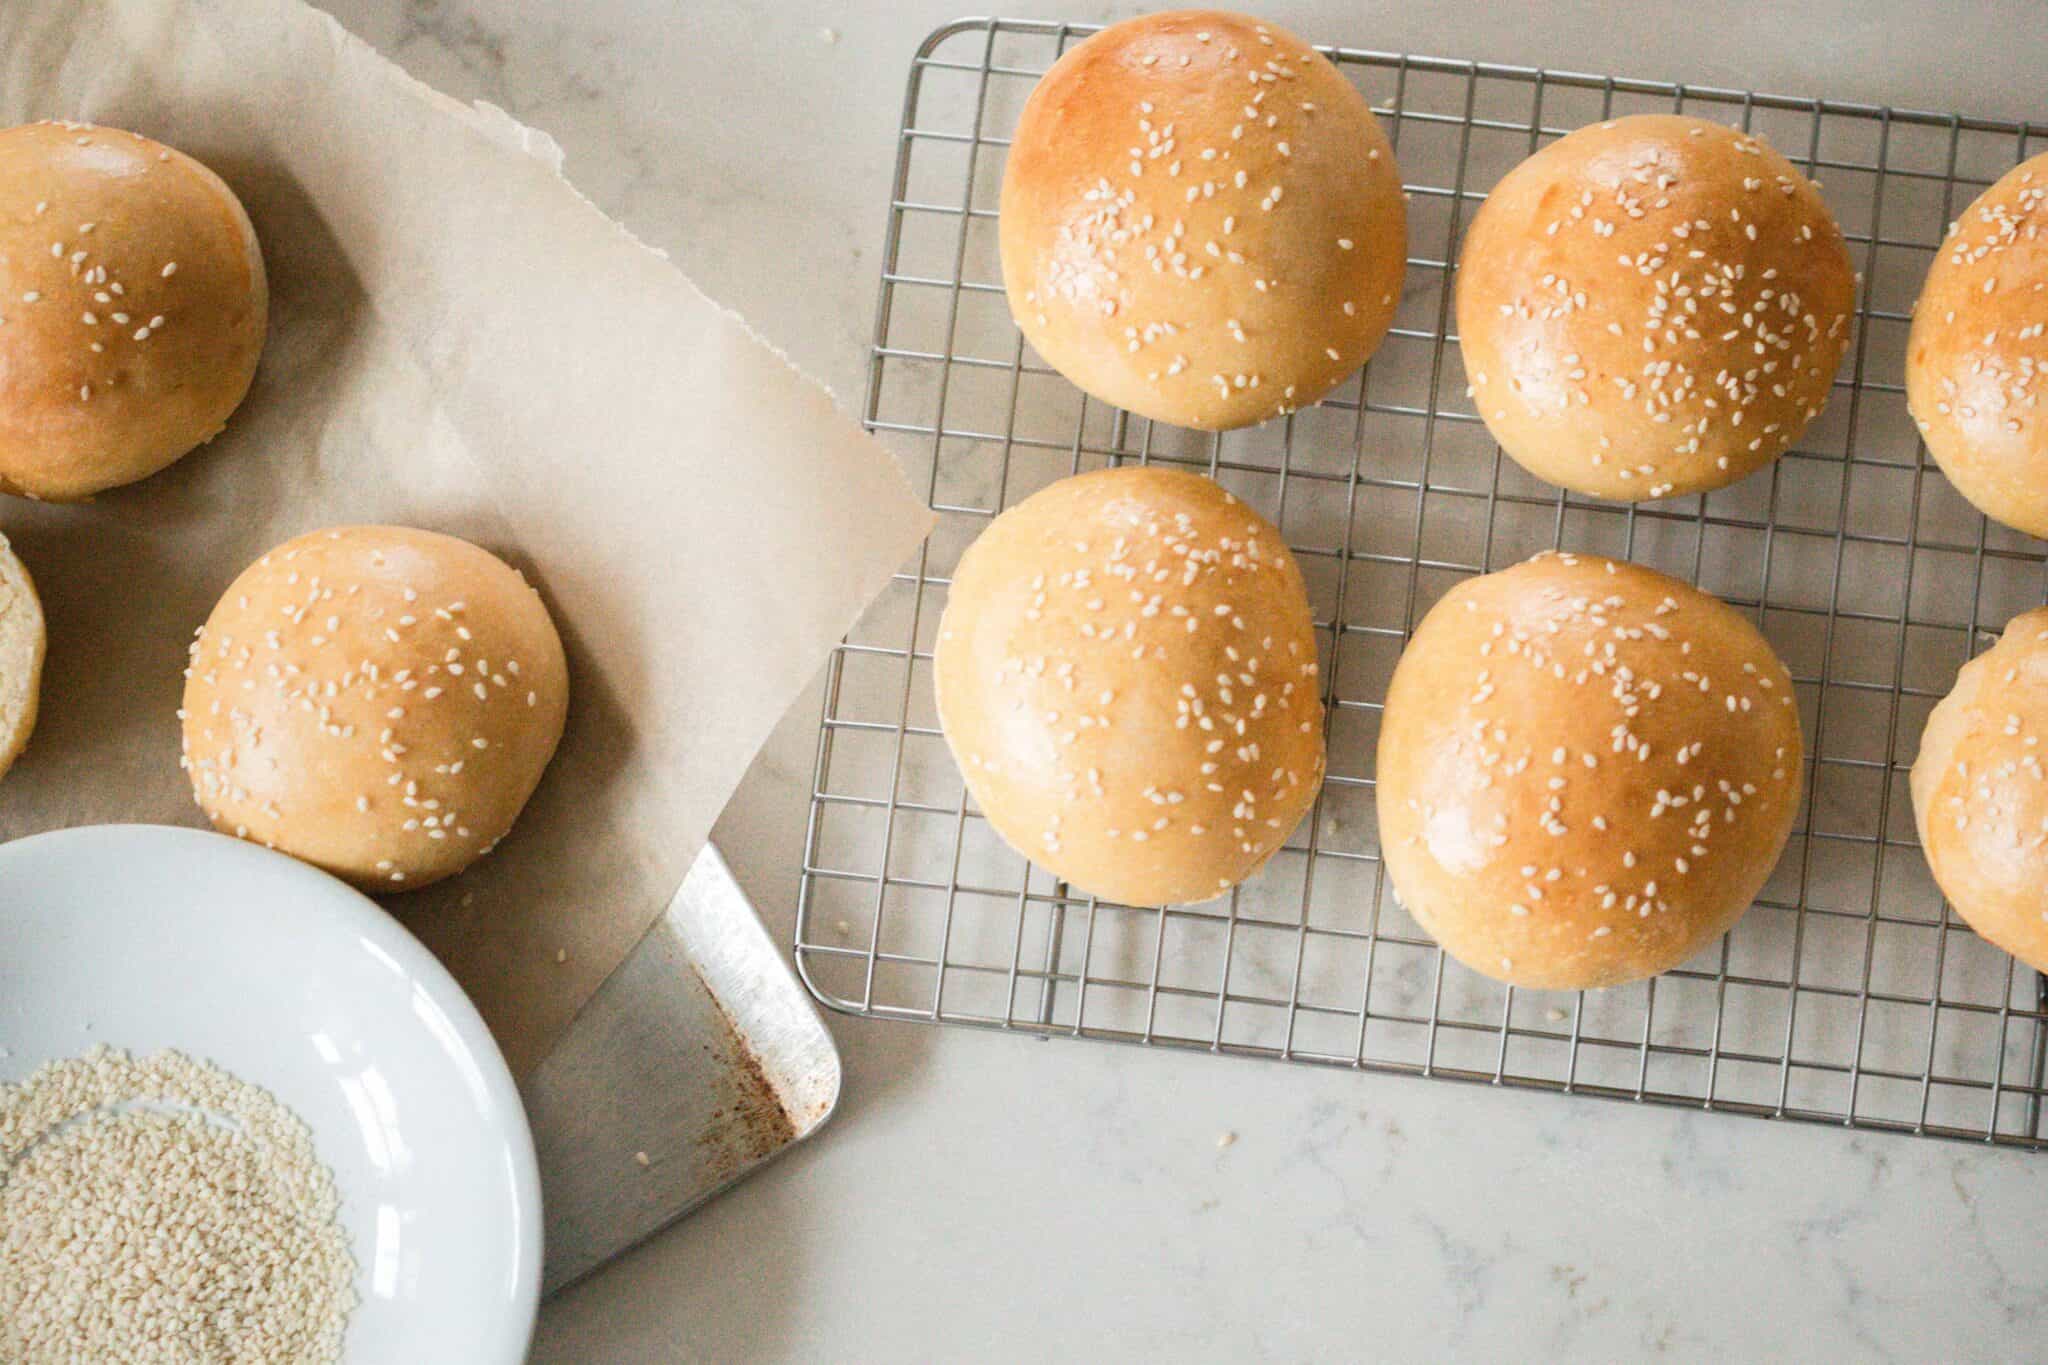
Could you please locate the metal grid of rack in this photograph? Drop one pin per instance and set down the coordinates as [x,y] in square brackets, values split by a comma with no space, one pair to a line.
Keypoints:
[1849,994]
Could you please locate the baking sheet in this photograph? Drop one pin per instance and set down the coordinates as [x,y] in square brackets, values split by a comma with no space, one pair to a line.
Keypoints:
[701,1059]
[459,341]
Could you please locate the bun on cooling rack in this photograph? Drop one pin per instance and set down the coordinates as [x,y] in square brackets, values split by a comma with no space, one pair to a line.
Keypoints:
[1126,674]
[1980,791]
[1976,355]
[1586,771]
[375,700]
[133,296]
[21,656]
[1201,221]
[1652,306]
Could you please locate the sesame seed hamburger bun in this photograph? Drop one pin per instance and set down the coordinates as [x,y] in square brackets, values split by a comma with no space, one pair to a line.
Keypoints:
[1652,306]
[21,655]
[1980,792]
[1976,354]
[375,700]
[1586,771]
[1126,674]
[133,297]
[1201,221]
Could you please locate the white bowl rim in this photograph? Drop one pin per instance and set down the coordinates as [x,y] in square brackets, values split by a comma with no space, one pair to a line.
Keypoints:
[357,913]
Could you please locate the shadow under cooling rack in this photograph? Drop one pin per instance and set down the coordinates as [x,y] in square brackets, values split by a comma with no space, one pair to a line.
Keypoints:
[1848,995]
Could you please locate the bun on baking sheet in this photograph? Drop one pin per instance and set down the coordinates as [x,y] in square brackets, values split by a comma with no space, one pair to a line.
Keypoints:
[1980,792]
[1652,306]
[1586,771]
[1201,220]
[1976,354]
[134,302]
[375,700]
[21,655]
[1126,674]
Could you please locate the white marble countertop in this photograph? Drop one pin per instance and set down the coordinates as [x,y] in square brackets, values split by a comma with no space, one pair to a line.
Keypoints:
[997,1198]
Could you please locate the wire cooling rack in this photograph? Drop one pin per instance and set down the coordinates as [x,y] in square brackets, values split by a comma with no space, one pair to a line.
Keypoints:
[1849,994]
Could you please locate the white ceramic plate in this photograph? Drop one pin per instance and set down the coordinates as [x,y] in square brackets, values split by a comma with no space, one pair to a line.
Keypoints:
[145,937]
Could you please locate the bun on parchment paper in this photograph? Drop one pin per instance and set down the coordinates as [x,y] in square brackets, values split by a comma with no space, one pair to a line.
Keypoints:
[375,700]
[1586,771]
[1976,355]
[1126,673]
[1201,220]
[1652,306]
[22,643]
[134,301]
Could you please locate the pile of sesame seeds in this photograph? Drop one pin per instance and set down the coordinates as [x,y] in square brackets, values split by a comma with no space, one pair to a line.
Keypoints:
[159,1209]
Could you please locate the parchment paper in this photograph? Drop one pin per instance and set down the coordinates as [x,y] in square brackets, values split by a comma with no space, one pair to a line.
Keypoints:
[458,341]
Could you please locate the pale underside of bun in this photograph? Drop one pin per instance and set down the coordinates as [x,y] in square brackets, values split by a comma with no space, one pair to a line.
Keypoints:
[376,700]
[1980,791]
[1126,673]
[1978,349]
[1652,306]
[1201,220]
[1586,771]
[21,656]
[134,301]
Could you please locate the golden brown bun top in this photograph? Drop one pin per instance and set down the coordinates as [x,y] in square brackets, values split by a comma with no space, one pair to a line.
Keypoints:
[1651,306]
[1201,220]
[1980,791]
[1586,771]
[376,700]
[1975,362]
[133,296]
[1126,673]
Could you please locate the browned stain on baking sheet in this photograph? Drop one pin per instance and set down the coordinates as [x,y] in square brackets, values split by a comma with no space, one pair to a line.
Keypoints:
[753,1122]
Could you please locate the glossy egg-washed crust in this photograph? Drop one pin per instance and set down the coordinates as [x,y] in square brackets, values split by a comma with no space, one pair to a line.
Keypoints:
[134,300]
[1979,345]
[1586,771]
[1126,674]
[1980,791]
[1201,221]
[1652,306]
[375,700]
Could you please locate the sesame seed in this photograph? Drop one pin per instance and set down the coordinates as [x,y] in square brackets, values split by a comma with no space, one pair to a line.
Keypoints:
[146,1202]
